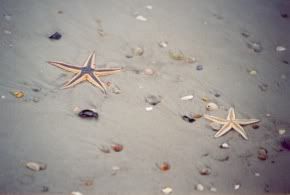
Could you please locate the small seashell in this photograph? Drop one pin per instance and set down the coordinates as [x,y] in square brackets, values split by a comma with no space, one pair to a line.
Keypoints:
[213,189]
[199,67]
[237,186]
[17,94]
[262,154]
[3,97]
[36,166]
[163,44]
[76,193]
[188,97]
[215,126]
[115,168]
[149,71]
[188,119]
[153,100]
[138,51]
[224,145]
[212,106]
[165,166]
[252,72]
[141,18]
[280,48]
[116,89]
[88,114]
[117,147]
[282,131]
[199,187]
[268,115]
[255,46]
[196,116]
[149,108]
[149,7]
[167,190]
[205,99]
[176,55]
[190,60]
[55,36]
[205,171]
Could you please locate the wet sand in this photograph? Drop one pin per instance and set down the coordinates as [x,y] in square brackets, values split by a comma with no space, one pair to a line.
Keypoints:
[43,127]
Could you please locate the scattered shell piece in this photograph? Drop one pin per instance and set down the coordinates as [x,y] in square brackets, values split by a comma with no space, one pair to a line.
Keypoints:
[149,108]
[213,189]
[138,51]
[190,60]
[17,94]
[237,186]
[88,182]
[149,71]
[76,193]
[116,89]
[252,72]
[257,174]
[263,87]
[255,126]
[167,190]
[255,46]
[34,166]
[285,143]
[176,54]
[196,116]
[215,126]
[153,100]
[165,166]
[212,106]
[205,171]
[141,18]
[88,114]
[280,48]
[163,44]
[205,99]
[199,187]
[224,146]
[149,7]
[3,97]
[55,36]
[188,119]
[105,149]
[7,32]
[188,97]
[282,131]
[262,154]
[245,34]
[117,147]
[199,67]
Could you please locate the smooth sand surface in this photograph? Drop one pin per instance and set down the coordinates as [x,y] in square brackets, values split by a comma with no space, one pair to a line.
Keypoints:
[48,130]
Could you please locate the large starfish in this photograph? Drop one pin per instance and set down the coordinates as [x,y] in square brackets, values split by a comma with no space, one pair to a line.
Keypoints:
[231,123]
[86,72]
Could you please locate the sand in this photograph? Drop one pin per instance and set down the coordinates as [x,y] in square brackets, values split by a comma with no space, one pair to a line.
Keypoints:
[43,127]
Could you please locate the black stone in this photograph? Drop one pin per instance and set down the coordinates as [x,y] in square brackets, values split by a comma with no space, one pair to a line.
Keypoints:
[285,143]
[88,114]
[55,36]
[188,119]
[283,15]
[199,67]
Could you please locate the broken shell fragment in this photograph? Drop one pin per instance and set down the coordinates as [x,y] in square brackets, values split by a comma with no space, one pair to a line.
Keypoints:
[280,48]
[153,100]
[176,55]
[138,51]
[188,97]
[149,71]
[76,193]
[104,149]
[165,166]
[212,106]
[199,187]
[237,186]
[282,131]
[34,166]
[88,114]
[163,44]
[117,147]
[167,190]
[262,154]
[205,171]
[224,145]
[255,46]
[17,94]
[141,18]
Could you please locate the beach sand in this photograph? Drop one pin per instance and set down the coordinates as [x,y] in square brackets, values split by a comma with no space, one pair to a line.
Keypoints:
[43,127]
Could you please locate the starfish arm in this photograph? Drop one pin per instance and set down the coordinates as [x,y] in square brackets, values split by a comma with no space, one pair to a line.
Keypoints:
[240,130]
[106,71]
[226,128]
[75,80]
[66,67]
[231,114]
[246,121]
[215,119]
[97,82]
[90,61]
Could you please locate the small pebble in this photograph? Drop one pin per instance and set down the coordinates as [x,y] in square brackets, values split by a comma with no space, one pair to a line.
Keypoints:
[199,187]
[284,15]
[149,108]
[211,106]
[263,87]
[188,119]
[3,97]
[245,34]
[141,18]
[215,126]
[148,71]
[165,166]
[36,89]
[153,100]
[60,12]
[205,171]
[105,149]
[285,61]
[138,51]
[188,97]
[217,95]
[117,147]
[252,72]
[285,143]
[237,186]
[255,46]
[199,67]
[268,115]
[255,126]
[55,36]
[163,44]
[262,154]
[224,146]
[88,114]
[196,116]
[167,190]
[45,189]
[280,48]
[149,7]
[282,131]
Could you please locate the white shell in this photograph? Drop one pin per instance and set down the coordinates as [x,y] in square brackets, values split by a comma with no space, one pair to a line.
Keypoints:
[212,189]
[167,190]
[76,193]
[280,48]
[282,131]
[149,108]
[35,166]
[188,97]
[141,18]
[237,186]
[225,145]
[199,187]
[212,106]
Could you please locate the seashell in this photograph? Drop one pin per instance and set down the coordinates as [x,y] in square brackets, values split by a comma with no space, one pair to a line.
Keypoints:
[205,171]
[36,166]
[188,97]
[17,94]
[212,106]
[262,154]
[176,55]
[148,71]
[167,190]
[163,44]
[153,100]
[141,18]
[165,166]
[117,147]
[138,51]
[224,145]
[199,187]
[88,114]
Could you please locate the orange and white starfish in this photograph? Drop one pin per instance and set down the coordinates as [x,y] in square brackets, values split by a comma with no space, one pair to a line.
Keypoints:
[231,123]
[86,72]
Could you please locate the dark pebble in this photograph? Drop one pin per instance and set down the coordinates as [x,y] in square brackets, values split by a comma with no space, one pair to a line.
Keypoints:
[217,95]
[263,87]
[188,119]
[285,143]
[44,189]
[284,15]
[38,89]
[255,126]
[245,34]
[153,100]
[199,67]
[285,62]
[88,114]
[55,36]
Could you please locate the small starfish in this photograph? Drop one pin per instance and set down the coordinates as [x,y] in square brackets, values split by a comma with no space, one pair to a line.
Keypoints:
[231,123]
[87,72]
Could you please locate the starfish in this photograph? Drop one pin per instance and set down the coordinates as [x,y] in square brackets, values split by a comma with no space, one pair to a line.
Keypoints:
[231,123]
[86,72]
